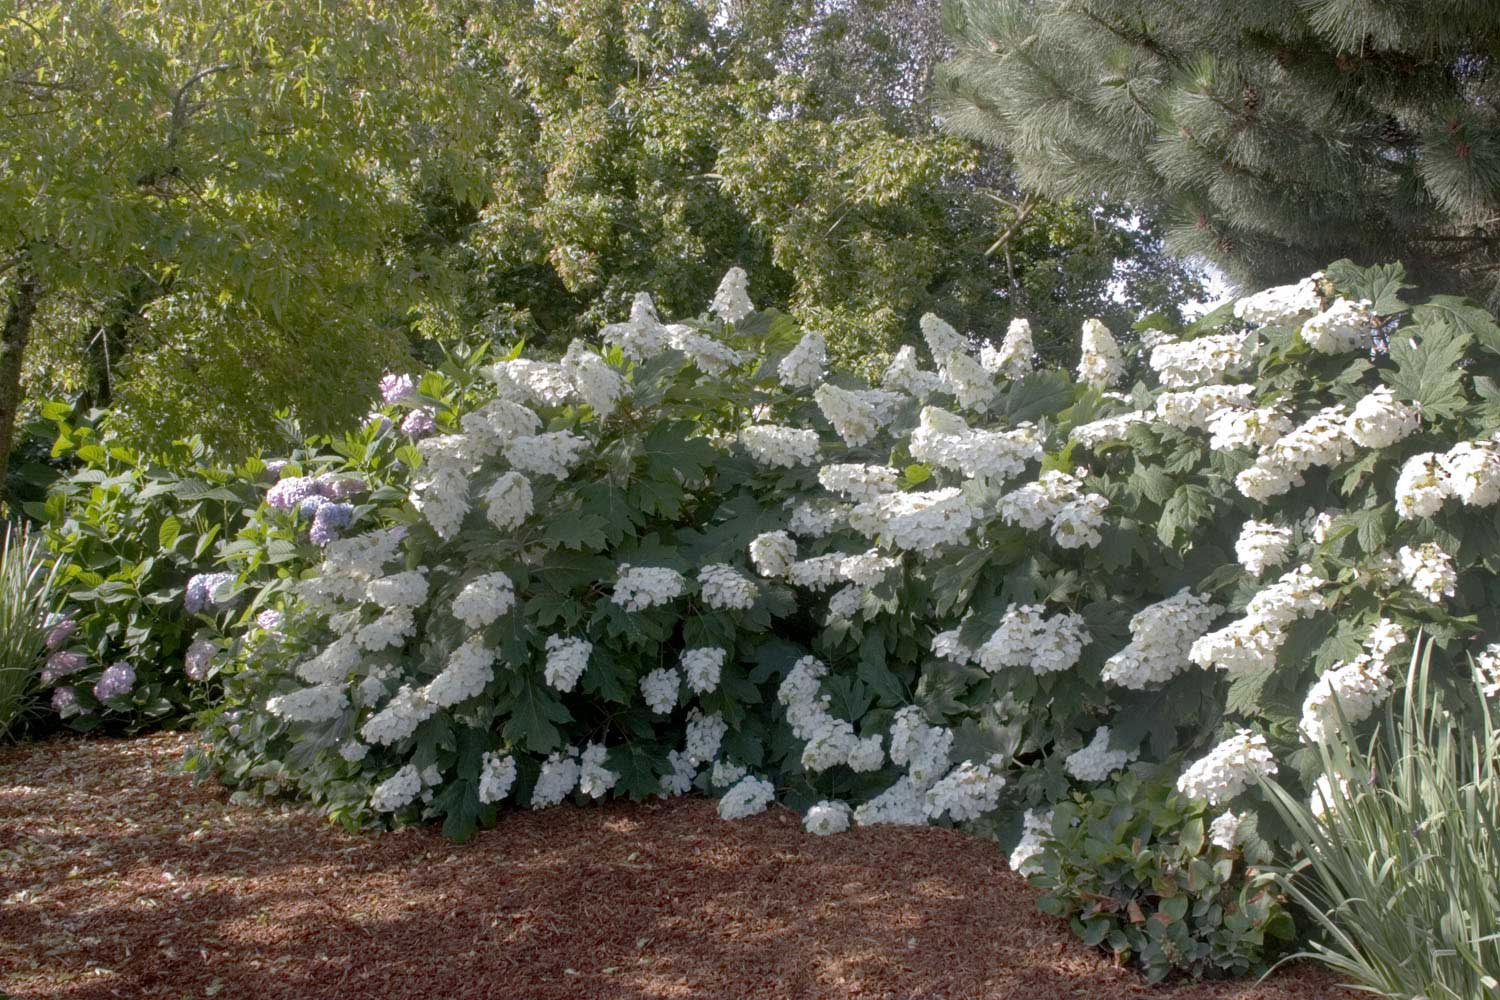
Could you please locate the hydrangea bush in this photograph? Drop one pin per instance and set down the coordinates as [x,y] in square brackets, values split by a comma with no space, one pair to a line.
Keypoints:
[689,557]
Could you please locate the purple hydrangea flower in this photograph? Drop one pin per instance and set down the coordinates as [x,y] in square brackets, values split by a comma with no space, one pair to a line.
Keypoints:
[419,423]
[61,632]
[379,421]
[200,591]
[290,492]
[394,388]
[117,680]
[64,701]
[200,656]
[311,505]
[270,620]
[61,664]
[336,487]
[331,519]
[274,467]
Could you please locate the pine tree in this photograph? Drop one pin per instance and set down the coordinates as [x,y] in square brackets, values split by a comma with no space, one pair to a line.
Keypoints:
[1268,137]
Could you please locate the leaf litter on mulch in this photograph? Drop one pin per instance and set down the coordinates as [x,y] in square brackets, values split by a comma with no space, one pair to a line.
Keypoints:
[121,877]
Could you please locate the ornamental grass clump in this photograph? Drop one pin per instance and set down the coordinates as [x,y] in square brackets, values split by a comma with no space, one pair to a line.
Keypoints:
[1401,837]
[29,625]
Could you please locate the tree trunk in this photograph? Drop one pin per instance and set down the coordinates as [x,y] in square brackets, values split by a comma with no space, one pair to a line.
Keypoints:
[13,340]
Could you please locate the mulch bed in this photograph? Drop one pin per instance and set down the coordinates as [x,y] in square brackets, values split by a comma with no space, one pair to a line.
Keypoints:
[119,877]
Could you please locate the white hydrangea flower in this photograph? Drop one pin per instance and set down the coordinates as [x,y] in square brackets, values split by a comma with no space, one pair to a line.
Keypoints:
[1111,430]
[551,454]
[1197,409]
[1036,829]
[1097,761]
[904,375]
[401,716]
[1228,769]
[594,779]
[967,792]
[1355,689]
[949,646]
[772,553]
[1100,363]
[497,774]
[397,791]
[468,670]
[567,660]
[1429,570]
[1025,639]
[1487,665]
[353,751]
[707,354]
[539,383]
[1380,420]
[332,663]
[750,795]
[1077,522]
[827,817]
[390,629]
[858,481]
[732,299]
[778,446]
[508,502]
[660,688]
[640,337]
[1472,470]
[1343,326]
[902,804]
[1184,364]
[1232,428]
[484,599]
[399,590]
[319,703]
[1224,831]
[945,441]
[1321,440]
[816,519]
[725,588]
[1250,643]
[916,522]
[702,667]
[854,418]
[1016,356]
[725,773]
[680,781]
[496,422]
[817,573]
[594,381]
[1262,544]
[560,773]
[642,587]
[920,748]
[802,368]
[1324,800]
[1161,637]
[1282,303]
[1423,486]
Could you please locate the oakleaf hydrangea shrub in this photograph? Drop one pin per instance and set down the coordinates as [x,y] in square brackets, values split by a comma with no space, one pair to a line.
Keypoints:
[1150,874]
[688,556]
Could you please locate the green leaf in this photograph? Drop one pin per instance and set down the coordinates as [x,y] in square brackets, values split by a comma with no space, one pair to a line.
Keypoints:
[532,718]
[1189,505]
[168,532]
[577,530]
[1461,315]
[1040,394]
[1428,368]
[874,672]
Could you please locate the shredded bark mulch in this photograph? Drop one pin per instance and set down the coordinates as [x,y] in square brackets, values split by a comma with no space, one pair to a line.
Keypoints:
[119,877]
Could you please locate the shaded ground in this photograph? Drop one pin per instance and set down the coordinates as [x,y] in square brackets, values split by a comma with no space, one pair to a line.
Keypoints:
[120,878]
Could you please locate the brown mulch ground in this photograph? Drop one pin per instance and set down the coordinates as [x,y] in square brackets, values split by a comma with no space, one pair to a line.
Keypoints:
[121,878]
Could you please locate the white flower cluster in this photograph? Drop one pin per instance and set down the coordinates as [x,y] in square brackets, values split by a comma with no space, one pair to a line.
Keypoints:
[508,502]
[1380,420]
[707,354]
[1232,429]
[772,553]
[905,376]
[817,573]
[319,703]
[802,368]
[1262,544]
[963,376]
[855,418]
[1354,689]
[920,748]
[1111,430]
[399,590]
[1230,768]
[731,301]
[828,741]
[551,454]
[484,599]
[725,588]
[642,587]
[705,733]
[1282,303]
[780,447]
[858,482]
[827,817]
[749,796]
[1429,570]
[1197,409]
[594,381]
[1323,439]
[1016,355]
[814,519]
[1076,524]
[1161,636]
[1099,363]
[1025,638]
[1327,795]
[558,778]
[660,687]
[1250,643]
[1031,506]
[916,522]
[1097,761]
[1036,830]
[1344,326]
[594,779]
[945,441]
[968,791]
[567,659]
[469,669]
[640,337]
[702,667]
[401,716]
[1470,471]
[1487,666]
[536,383]
[488,428]
[497,774]
[902,804]
[1225,831]
[680,781]
[397,791]
[1183,364]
